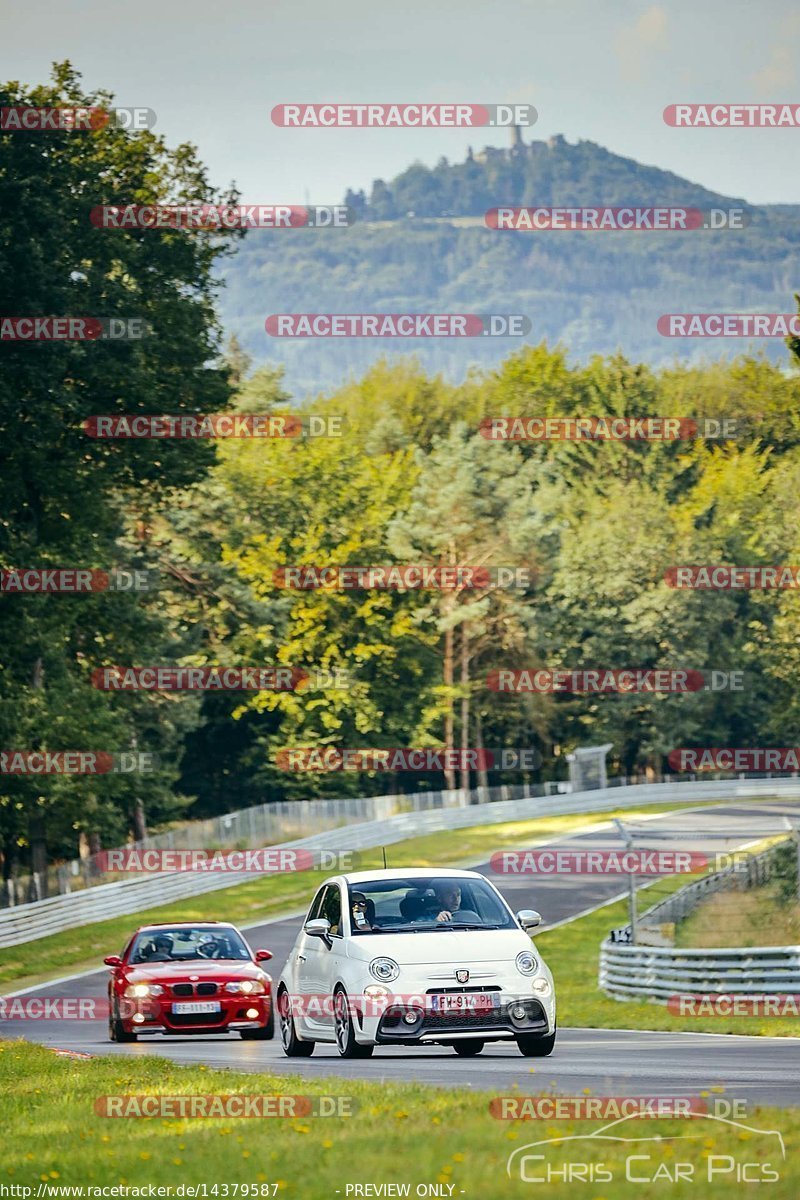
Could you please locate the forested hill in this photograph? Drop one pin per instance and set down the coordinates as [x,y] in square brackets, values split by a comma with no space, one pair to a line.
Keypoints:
[421,245]
[546,173]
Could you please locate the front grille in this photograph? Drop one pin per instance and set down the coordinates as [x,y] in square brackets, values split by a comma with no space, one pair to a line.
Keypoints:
[194,989]
[496,1019]
[196,1018]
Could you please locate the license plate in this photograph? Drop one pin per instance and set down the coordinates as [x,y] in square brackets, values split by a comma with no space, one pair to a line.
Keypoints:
[197,1006]
[458,1002]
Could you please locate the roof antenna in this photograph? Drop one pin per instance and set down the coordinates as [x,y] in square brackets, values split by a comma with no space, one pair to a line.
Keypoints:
[383,848]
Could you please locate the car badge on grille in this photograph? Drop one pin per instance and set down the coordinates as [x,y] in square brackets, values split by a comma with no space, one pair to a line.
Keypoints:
[462,975]
[193,977]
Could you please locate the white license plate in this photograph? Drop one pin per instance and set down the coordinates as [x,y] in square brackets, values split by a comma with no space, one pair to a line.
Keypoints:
[197,1006]
[465,1002]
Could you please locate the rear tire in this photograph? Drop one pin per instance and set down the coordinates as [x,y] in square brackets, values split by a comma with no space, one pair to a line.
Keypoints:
[468,1049]
[533,1046]
[292,1046]
[346,1042]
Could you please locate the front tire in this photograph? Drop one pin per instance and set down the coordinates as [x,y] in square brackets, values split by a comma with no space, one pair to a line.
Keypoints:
[116,1030]
[292,1046]
[468,1049]
[346,1042]
[533,1046]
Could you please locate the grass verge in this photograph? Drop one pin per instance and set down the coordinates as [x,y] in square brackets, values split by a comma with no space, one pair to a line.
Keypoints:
[401,1134]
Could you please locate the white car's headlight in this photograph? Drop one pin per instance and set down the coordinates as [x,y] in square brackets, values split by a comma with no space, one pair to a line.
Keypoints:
[527,963]
[376,990]
[139,991]
[384,969]
[246,987]
[541,985]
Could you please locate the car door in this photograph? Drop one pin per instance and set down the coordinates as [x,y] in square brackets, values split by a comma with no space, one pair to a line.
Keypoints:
[320,963]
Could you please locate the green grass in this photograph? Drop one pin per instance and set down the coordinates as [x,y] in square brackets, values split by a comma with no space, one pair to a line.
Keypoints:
[270,895]
[573,951]
[401,1134]
[759,917]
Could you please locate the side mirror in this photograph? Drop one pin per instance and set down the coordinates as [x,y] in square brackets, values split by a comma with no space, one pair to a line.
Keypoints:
[113,960]
[321,928]
[263,955]
[528,918]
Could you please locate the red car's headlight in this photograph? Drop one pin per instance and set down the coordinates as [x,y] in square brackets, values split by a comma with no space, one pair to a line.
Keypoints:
[246,987]
[139,991]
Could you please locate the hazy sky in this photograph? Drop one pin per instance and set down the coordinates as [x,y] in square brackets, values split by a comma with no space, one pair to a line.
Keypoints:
[596,69]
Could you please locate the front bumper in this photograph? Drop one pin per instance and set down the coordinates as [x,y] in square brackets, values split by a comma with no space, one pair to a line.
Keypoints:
[155,1015]
[508,1020]
[517,1010]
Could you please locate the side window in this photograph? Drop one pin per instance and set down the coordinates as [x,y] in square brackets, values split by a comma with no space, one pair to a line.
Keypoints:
[316,905]
[332,908]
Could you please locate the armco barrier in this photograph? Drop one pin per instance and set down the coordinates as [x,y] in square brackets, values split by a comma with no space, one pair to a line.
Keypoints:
[657,972]
[28,922]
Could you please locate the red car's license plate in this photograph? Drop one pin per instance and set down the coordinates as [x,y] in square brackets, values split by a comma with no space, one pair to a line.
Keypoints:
[457,1002]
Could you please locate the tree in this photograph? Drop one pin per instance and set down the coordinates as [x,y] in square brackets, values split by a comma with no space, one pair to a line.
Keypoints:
[70,500]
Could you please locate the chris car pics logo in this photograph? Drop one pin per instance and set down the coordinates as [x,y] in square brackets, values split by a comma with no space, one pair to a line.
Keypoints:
[718,1150]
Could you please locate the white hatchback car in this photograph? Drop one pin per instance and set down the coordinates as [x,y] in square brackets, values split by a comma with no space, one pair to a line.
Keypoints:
[414,956]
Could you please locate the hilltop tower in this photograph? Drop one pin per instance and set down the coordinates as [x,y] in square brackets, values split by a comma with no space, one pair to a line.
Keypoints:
[517,144]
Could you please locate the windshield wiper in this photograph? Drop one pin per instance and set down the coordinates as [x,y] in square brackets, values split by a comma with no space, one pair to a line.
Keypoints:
[466,925]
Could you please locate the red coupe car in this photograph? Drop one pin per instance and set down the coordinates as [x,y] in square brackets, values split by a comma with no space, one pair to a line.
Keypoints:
[192,977]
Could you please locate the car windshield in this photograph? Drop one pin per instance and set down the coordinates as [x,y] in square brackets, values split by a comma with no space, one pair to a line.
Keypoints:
[426,904]
[185,943]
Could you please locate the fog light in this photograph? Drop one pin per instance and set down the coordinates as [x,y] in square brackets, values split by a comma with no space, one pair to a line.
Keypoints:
[410,1018]
[518,1012]
[138,1018]
[251,1014]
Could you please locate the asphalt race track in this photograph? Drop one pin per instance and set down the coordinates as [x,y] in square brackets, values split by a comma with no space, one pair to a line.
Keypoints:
[758,1070]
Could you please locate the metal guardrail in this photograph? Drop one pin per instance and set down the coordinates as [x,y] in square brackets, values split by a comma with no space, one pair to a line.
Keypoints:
[29,922]
[659,972]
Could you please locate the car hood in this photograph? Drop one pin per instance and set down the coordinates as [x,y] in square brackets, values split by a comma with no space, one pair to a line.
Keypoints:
[434,949]
[180,972]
